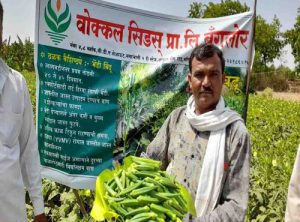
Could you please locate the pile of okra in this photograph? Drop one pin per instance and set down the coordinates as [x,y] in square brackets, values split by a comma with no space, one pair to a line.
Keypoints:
[143,192]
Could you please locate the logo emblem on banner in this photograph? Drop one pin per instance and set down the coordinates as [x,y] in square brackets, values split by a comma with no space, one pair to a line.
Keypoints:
[58,21]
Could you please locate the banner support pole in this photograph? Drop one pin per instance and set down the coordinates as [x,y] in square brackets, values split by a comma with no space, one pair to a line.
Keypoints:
[249,69]
[80,203]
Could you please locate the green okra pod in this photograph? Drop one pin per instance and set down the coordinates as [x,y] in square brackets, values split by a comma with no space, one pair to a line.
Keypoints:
[167,182]
[151,180]
[140,219]
[118,182]
[147,167]
[123,179]
[146,184]
[144,174]
[114,199]
[142,161]
[164,210]
[109,190]
[169,195]
[147,199]
[173,210]
[127,182]
[120,210]
[142,191]
[131,176]
[130,189]
[175,205]
[129,202]
[181,202]
[138,211]
[151,215]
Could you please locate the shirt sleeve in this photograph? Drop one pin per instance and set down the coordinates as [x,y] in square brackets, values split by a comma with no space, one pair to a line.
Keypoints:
[293,198]
[29,156]
[158,148]
[234,198]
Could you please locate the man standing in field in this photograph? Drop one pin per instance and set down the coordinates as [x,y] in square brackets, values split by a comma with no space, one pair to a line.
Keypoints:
[205,145]
[19,157]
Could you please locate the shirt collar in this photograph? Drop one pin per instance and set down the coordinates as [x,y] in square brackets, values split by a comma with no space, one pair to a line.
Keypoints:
[4,71]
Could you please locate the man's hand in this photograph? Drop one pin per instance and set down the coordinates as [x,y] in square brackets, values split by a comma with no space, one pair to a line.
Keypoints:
[40,218]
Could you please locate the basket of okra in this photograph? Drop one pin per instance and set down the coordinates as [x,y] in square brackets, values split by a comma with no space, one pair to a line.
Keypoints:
[139,191]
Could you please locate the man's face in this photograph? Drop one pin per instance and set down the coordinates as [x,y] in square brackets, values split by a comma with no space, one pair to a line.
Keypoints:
[206,81]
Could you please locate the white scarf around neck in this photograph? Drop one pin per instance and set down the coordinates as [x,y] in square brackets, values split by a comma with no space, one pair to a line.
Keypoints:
[210,181]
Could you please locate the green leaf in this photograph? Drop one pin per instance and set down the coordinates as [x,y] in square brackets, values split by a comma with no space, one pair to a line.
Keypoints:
[262,208]
[63,27]
[51,12]
[64,15]
[259,197]
[72,217]
[50,23]
[53,194]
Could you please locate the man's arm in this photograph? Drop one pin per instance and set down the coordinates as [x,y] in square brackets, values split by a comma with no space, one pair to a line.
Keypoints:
[234,197]
[29,158]
[158,148]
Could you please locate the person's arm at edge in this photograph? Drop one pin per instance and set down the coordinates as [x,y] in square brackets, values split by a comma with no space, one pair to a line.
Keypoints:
[30,160]
[293,198]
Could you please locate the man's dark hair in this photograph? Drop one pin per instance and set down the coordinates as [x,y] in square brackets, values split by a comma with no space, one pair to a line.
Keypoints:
[205,51]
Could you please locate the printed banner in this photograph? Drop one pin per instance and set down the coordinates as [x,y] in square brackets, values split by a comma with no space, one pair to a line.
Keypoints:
[105,72]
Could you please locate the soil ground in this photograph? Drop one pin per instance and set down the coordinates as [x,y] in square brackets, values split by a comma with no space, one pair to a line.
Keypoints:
[287,96]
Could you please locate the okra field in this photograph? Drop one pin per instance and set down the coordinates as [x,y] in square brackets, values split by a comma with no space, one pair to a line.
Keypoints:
[274,126]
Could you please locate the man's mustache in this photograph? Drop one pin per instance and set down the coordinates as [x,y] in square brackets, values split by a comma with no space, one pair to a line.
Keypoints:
[206,91]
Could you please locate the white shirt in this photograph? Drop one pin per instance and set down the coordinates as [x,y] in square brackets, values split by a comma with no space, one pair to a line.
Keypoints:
[19,157]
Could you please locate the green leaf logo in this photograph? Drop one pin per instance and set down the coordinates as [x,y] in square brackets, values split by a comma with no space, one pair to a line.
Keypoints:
[56,21]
